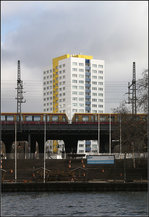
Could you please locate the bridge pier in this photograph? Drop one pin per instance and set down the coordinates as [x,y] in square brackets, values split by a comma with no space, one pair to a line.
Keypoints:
[70,145]
[8,141]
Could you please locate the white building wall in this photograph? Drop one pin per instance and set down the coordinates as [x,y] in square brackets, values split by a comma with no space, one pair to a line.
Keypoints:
[72,90]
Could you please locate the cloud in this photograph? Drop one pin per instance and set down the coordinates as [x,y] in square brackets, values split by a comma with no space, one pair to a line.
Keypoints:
[35,32]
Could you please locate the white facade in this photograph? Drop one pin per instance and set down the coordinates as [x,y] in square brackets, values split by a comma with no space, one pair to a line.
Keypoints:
[80,90]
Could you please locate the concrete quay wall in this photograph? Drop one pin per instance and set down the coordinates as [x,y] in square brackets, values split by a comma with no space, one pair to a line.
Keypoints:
[73,187]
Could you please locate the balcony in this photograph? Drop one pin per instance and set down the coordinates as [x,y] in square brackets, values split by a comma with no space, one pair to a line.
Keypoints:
[88,80]
[87,67]
[87,97]
[87,85]
[88,103]
[87,73]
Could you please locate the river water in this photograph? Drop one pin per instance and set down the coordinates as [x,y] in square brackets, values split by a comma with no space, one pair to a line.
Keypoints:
[74,204]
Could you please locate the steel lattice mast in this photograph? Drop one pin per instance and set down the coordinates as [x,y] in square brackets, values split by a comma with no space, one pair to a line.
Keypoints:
[20,98]
[132,90]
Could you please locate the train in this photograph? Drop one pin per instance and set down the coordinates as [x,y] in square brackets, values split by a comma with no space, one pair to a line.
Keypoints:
[61,118]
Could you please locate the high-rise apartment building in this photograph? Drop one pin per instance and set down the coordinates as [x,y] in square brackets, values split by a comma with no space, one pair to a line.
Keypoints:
[75,84]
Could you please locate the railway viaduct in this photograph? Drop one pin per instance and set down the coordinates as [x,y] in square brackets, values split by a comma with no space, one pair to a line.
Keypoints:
[69,133]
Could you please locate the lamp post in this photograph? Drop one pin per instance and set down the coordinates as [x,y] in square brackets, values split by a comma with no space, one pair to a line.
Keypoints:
[44,175]
[15,151]
[98,133]
[110,133]
[120,135]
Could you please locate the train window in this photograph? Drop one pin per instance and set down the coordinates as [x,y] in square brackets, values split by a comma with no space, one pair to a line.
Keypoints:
[143,118]
[2,117]
[96,117]
[37,118]
[28,118]
[44,118]
[102,118]
[19,118]
[77,118]
[85,118]
[10,118]
[55,118]
[113,118]
[63,118]
[48,118]
[92,118]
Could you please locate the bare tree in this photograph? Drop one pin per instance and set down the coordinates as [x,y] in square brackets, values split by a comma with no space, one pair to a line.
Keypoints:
[142,92]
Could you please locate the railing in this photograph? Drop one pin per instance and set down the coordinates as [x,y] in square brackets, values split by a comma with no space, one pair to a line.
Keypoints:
[63,155]
[34,156]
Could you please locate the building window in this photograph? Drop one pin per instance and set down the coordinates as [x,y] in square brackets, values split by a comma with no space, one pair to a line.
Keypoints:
[100,100]
[81,64]
[81,99]
[81,82]
[94,65]
[101,89]
[74,81]
[94,100]
[94,71]
[94,77]
[94,105]
[94,82]
[81,93]
[74,98]
[100,94]
[74,75]
[74,87]
[74,69]
[94,94]
[100,106]
[100,66]
[94,88]
[74,92]
[81,87]
[74,110]
[100,72]
[81,76]
[74,104]
[63,65]
[81,70]
[74,63]
[100,83]
[81,104]
[60,66]
[63,71]
[81,110]
[100,77]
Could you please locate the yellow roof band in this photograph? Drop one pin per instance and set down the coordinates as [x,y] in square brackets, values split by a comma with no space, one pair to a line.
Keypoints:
[71,55]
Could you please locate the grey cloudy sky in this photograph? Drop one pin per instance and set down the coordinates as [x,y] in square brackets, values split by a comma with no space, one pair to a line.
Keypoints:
[35,32]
